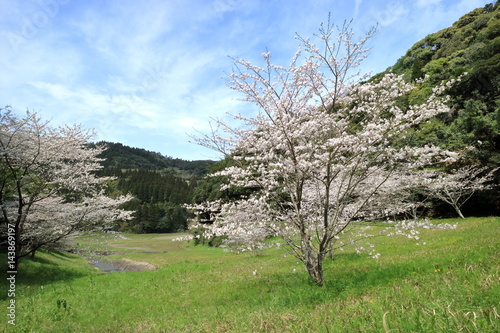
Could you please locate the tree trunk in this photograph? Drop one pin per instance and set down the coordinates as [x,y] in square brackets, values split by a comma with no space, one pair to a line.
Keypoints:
[315,270]
[313,262]
[459,212]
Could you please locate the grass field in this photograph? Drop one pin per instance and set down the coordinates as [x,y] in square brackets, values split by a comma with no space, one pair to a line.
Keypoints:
[452,284]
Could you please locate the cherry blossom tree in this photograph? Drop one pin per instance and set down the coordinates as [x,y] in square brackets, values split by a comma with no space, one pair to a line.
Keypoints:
[457,186]
[48,188]
[322,154]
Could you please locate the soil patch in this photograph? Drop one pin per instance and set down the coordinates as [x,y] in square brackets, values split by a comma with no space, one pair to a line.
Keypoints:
[112,266]
[129,265]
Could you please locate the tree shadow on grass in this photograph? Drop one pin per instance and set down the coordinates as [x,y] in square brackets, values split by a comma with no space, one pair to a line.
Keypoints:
[48,268]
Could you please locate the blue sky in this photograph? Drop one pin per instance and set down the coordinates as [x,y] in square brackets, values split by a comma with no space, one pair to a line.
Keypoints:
[150,73]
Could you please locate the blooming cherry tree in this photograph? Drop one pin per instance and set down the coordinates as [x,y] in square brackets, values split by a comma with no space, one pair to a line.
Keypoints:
[48,188]
[457,186]
[323,152]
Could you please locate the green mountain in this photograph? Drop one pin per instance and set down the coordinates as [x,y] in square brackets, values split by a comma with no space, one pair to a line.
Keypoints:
[160,185]
[120,156]
[471,45]
[469,49]
[158,200]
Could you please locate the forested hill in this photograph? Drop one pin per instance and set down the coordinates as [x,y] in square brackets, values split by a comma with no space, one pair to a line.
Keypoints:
[160,185]
[471,45]
[119,156]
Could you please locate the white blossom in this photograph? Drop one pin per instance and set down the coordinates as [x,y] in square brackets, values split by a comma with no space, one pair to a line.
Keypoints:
[457,186]
[323,157]
[48,185]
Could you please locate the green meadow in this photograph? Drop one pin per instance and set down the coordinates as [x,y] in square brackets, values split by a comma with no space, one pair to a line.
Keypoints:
[451,284]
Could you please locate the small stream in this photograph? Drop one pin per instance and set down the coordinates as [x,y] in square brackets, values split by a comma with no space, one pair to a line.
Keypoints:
[106,267]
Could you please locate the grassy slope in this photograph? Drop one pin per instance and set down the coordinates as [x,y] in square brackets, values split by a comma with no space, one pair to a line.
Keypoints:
[449,285]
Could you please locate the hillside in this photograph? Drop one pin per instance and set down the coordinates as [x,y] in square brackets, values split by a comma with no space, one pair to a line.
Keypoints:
[160,185]
[120,156]
[469,48]
[471,45]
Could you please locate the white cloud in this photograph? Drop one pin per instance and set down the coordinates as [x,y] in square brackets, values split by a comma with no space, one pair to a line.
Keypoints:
[146,73]
[425,3]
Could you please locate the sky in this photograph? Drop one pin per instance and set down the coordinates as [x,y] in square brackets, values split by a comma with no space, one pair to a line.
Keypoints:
[150,74]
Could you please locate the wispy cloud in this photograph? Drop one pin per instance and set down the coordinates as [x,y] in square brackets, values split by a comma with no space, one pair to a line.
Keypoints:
[425,3]
[148,73]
